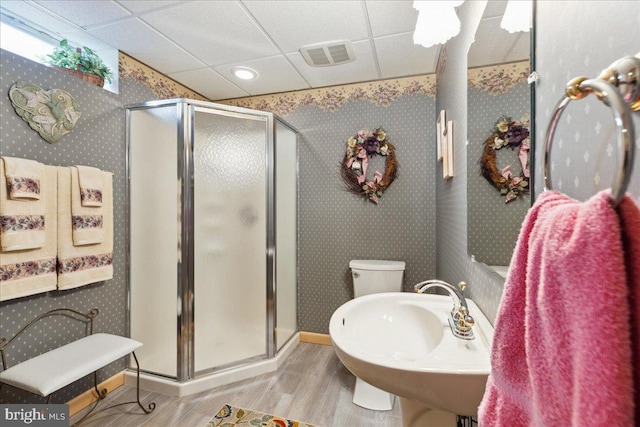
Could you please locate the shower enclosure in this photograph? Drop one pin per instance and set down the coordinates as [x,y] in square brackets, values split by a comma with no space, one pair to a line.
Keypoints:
[212,237]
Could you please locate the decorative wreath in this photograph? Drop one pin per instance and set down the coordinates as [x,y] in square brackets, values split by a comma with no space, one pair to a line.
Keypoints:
[507,133]
[360,148]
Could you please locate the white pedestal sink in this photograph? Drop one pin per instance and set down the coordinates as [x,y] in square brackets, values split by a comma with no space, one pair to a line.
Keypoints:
[401,342]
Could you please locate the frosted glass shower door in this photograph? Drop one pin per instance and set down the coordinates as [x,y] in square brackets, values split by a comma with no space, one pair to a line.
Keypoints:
[286,155]
[230,237]
[154,229]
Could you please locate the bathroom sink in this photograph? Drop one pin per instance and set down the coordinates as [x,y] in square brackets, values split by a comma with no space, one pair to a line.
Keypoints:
[402,343]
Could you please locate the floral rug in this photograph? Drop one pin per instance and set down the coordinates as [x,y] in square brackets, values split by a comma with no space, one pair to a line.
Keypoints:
[231,416]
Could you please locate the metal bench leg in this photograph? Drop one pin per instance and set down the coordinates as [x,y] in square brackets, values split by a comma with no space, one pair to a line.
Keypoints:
[102,394]
[152,405]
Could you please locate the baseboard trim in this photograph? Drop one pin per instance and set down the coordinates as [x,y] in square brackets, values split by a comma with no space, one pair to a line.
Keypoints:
[315,338]
[80,402]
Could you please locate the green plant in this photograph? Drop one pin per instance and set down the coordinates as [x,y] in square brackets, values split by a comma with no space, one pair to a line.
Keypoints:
[67,56]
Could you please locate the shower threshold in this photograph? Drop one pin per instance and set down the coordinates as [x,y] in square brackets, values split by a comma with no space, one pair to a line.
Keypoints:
[172,387]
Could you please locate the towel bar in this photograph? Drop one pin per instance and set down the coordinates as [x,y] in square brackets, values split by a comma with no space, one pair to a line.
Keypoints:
[578,88]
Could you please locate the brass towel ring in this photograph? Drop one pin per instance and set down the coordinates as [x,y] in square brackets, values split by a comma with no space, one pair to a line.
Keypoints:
[578,88]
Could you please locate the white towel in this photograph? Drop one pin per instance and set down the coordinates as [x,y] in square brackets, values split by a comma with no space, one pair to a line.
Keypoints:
[88,222]
[22,221]
[91,184]
[33,271]
[82,265]
[22,178]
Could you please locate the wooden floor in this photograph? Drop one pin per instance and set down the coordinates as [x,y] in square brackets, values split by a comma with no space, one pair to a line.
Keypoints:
[312,386]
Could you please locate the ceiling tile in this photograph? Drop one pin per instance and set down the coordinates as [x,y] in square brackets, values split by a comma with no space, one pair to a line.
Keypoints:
[217,32]
[293,24]
[399,56]
[138,6]
[521,50]
[86,12]
[275,74]
[362,69]
[495,8]
[142,42]
[208,83]
[492,44]
[391,17]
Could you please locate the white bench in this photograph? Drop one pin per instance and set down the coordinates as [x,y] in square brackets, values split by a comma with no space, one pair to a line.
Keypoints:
[49,372]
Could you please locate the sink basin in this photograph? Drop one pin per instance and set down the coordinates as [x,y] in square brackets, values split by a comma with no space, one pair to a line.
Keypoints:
[402,343]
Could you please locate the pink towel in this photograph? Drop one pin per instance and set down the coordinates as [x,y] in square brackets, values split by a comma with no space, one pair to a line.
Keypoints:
[562,350]
[630,223]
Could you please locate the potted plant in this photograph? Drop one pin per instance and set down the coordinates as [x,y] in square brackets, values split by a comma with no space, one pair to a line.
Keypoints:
[83,63]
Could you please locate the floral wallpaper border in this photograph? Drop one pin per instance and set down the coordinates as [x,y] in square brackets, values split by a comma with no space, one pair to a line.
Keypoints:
[498,79]
[162,86]
[381,93]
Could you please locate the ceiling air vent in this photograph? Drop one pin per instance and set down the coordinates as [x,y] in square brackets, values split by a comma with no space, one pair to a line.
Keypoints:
[329,53]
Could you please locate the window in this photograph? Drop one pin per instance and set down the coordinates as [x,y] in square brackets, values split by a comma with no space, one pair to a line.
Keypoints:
[34,44]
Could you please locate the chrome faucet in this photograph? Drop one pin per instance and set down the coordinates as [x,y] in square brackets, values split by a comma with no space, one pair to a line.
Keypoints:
[460,320]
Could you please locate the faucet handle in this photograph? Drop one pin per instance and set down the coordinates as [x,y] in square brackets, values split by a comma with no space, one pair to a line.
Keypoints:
[463,319]
[462,286]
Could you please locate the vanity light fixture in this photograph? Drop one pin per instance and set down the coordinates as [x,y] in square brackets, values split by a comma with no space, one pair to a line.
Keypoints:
[244,73]
[517,16]
[437,21]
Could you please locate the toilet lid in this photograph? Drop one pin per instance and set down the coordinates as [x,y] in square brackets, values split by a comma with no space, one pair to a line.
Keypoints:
[376,264]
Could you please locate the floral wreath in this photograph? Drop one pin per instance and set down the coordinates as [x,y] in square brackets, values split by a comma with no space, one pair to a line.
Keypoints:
[360,148]
[507,133]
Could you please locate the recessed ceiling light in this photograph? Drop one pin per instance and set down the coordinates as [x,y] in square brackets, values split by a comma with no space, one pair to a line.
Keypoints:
[244,73]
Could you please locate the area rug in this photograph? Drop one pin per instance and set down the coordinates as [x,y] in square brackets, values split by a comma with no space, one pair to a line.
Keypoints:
[231,416]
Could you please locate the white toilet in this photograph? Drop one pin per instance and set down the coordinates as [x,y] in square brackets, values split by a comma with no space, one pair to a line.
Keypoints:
[371,277]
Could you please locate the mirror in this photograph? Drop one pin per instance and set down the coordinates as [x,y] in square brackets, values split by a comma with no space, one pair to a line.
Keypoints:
[497,89]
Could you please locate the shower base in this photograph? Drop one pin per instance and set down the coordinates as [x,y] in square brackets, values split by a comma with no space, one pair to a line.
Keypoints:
[172,387]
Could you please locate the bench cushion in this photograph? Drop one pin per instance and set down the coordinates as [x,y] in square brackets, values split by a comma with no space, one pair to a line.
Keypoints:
[57,368]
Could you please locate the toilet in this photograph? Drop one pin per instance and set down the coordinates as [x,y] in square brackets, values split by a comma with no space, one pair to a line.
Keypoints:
[371,277]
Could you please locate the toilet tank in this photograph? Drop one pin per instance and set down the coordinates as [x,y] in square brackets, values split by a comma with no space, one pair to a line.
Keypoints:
[373,276]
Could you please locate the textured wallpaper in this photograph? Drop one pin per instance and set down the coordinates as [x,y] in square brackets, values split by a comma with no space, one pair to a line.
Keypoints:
[492,224]
[97,140]
[336,227]
[584,154]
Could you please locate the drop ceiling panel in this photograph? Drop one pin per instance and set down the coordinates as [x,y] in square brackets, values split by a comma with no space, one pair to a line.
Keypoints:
[140,41]
[275,74]
[208,83]
[363,68]
[86,12]
[492,44]
[521,49]
[217,32]
[292,24]
[495,8]
[138,6]
[391,17]
[399,56]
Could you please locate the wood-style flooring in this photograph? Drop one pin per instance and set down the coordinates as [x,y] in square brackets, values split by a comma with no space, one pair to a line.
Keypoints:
[311,386]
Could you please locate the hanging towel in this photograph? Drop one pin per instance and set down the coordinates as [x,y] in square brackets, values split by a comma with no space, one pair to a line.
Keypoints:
[88,222]
[32,271]
[91,184]
[22,178]
[22,221]
[561,353]
[82,265]
[630,223]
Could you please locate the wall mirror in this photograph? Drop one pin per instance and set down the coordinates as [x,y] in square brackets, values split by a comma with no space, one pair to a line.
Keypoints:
[497,88]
